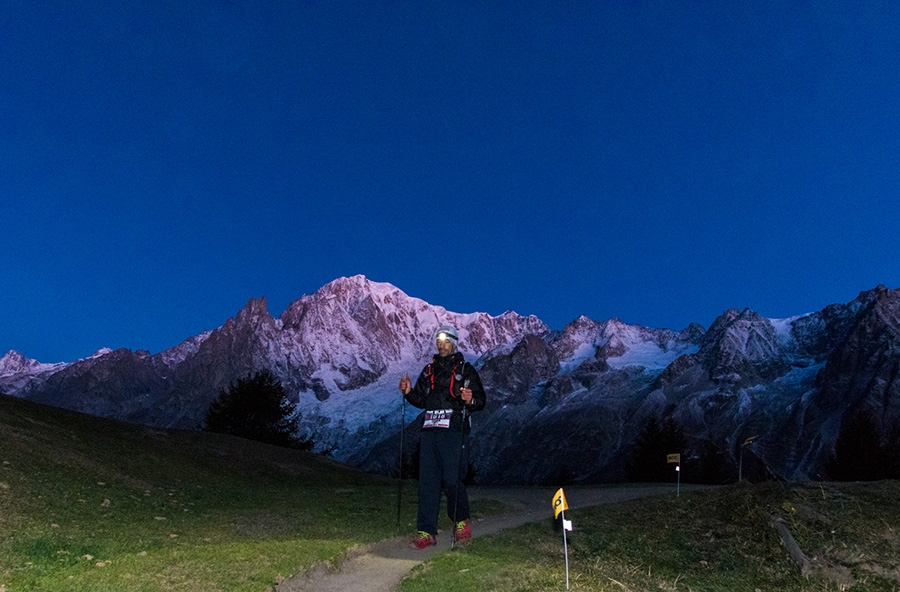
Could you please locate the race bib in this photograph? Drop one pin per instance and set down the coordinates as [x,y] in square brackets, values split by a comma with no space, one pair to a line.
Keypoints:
[438,418]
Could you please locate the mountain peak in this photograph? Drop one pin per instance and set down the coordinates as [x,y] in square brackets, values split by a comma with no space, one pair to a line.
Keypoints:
[14,362]
[387,326]
[256,306]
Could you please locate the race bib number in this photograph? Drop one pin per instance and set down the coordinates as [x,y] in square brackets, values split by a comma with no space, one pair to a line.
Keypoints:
[438,418]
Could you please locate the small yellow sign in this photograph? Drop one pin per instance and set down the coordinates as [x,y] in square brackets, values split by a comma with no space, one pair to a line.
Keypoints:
[673,458]
[559,503]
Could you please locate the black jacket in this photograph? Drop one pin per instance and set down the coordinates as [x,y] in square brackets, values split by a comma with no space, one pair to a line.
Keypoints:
[432,390]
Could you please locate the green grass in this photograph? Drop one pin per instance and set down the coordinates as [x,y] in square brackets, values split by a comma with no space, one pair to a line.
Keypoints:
[717,540]
[92,504]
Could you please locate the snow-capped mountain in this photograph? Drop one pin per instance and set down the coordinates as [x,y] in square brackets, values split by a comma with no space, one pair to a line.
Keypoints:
[18,372]
[559,402]
[339,353]
[15,363]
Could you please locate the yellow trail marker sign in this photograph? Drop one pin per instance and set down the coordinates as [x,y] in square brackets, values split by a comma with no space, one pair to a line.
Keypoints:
[559,503]
[559,506]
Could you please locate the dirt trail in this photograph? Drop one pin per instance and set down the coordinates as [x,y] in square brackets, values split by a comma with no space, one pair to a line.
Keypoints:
[380,567]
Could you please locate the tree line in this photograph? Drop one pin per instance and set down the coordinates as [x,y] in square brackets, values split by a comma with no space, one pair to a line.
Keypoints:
[861,453]
[257,407]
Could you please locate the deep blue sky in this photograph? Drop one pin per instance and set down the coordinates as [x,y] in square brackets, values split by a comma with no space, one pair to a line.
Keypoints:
[163,162]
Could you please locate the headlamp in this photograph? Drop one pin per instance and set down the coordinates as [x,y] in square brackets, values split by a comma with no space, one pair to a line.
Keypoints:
[446,332]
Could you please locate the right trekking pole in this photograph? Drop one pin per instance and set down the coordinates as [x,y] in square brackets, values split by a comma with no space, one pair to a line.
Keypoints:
[459,475]
[459,480]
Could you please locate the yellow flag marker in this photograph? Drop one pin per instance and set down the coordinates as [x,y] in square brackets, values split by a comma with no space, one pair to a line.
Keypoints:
[559,503]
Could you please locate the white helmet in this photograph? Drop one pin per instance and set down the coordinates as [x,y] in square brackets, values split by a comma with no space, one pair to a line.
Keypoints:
[446,332]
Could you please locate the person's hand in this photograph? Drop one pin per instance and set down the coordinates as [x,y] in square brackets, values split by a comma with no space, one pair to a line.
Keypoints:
[466,395]
[405,384]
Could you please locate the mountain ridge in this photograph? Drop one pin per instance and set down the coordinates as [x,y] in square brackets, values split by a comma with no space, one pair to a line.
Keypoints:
[580,394]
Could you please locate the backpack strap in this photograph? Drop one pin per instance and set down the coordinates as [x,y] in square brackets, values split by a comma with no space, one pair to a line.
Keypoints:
[429,374]
[458,368]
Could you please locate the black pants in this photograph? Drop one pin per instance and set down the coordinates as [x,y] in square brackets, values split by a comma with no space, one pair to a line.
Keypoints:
[440,469]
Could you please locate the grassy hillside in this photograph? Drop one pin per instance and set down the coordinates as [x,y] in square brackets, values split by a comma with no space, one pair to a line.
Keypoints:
[91,504]
[88,504]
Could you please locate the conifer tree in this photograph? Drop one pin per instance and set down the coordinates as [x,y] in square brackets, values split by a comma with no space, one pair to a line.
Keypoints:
[257,408]
[646,452]
[710,465]
[892,453]
[859,453]
[651,447]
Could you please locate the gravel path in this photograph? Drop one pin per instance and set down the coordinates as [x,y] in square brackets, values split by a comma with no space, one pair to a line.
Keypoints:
[380,567]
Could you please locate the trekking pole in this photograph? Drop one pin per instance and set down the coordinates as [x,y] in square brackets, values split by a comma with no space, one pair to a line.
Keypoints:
[400,463]
[459,478]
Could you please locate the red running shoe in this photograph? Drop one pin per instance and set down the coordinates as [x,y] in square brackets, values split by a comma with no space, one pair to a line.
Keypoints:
[463,532]
[422,540]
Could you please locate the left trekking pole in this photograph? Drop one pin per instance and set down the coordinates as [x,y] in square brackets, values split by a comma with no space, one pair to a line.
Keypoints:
[400,460]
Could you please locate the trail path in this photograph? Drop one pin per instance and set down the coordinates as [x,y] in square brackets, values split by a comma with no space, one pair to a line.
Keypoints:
[380,567]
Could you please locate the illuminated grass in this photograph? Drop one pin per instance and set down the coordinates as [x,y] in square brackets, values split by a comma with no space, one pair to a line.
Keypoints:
[92,505]
[705,541]
[88,504]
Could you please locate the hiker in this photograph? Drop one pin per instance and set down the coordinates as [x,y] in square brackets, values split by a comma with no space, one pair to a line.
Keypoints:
[448,389]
